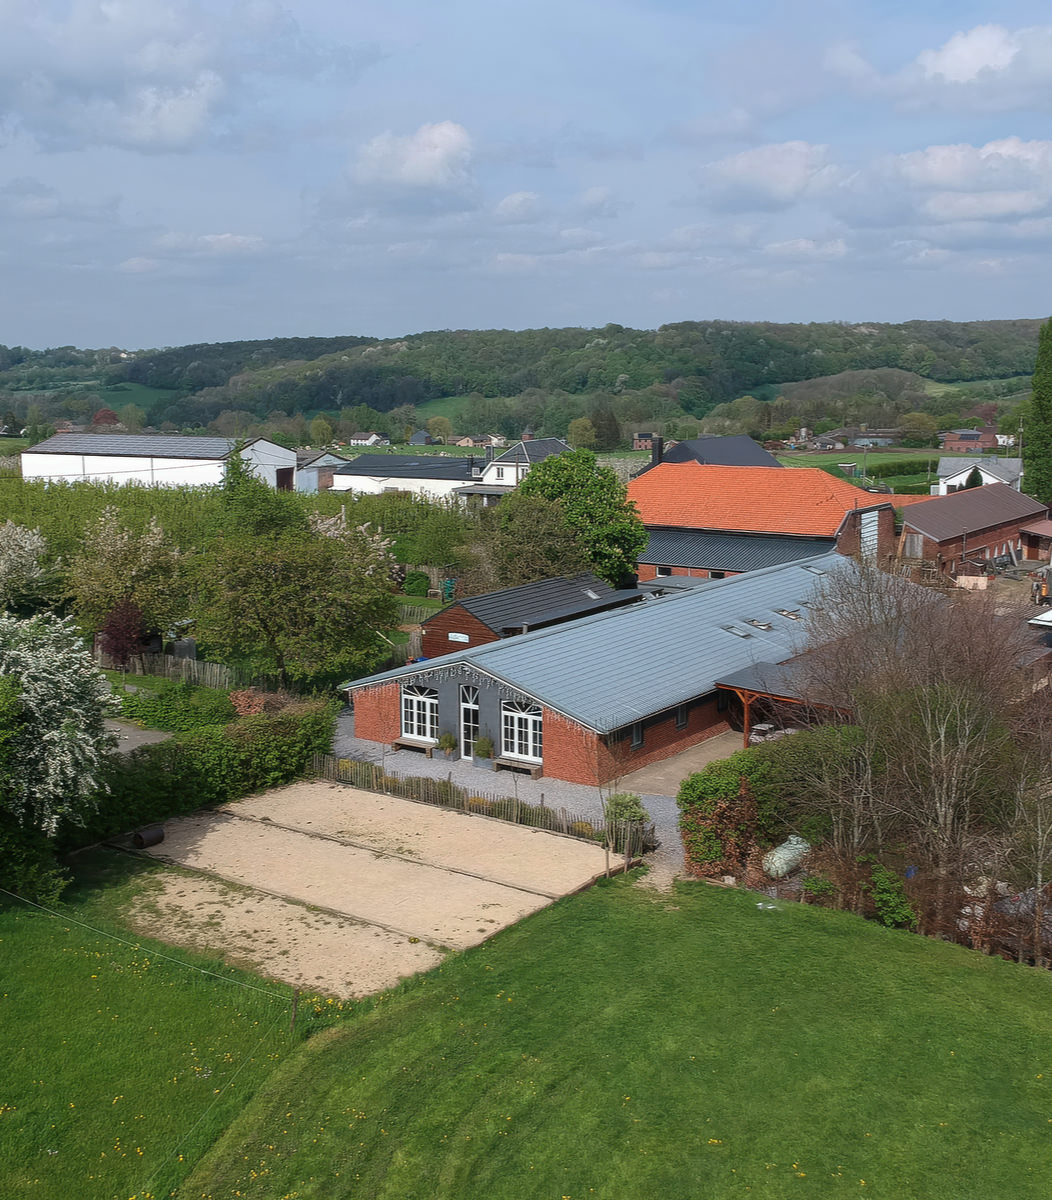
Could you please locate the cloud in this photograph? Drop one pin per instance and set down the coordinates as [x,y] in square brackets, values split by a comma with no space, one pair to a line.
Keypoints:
[435,158]
[211,245]
[519,208]
[149,75]
[28,199]
[807,249]
[599,203]
[769,177]
[986,68]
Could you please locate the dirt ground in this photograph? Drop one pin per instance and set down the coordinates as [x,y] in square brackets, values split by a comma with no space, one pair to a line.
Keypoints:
[346,891]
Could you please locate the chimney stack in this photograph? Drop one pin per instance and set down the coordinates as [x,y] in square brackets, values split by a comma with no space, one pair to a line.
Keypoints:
[657,449]
[489,454]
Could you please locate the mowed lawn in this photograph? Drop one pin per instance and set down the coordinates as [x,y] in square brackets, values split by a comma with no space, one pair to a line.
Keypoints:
[625,1044]
[119,1067]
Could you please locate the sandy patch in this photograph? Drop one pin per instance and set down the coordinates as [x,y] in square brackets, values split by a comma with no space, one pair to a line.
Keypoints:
[282,940]
[514,855]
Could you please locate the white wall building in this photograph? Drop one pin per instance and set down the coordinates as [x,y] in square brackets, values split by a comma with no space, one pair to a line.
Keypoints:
[151,459]
[954,472]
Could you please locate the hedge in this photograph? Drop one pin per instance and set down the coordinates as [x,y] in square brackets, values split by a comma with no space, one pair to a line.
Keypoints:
[205,767]
[176,706]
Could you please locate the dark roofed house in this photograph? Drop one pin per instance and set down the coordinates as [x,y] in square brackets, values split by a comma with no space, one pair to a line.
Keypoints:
[736,451]
[604,694]
[434,475]
[510,468]
[420,438]
[960,533]
[494,615]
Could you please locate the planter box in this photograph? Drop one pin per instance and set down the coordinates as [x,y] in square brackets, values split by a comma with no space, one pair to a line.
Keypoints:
[449,755]
[483,764]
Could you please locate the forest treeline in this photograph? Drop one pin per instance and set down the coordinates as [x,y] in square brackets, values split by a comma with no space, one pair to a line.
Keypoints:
[681,371]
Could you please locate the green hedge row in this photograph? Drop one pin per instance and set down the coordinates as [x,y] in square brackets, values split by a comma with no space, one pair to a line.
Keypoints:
[902,466]
[176,706]
[206,767]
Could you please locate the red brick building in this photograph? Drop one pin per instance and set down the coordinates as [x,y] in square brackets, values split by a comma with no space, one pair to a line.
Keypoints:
[713,521]
[602,695]
[960,533]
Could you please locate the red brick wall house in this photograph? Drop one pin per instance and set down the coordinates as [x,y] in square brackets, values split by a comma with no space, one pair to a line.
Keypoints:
[378,714]
[649,571]
[455,620]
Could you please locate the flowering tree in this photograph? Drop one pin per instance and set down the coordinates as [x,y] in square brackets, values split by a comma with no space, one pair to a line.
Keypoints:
[54,730]
[21,573]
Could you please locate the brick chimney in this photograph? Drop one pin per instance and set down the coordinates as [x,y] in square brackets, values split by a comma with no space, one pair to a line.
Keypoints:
[657,449]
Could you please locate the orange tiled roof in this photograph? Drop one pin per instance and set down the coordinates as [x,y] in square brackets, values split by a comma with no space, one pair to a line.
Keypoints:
[693,495]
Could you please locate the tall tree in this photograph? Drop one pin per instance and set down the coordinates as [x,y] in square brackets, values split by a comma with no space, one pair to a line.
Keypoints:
[595,507]
[1037,433]
[22,576]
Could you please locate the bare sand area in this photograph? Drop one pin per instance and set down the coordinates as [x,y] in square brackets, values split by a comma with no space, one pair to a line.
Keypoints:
[510,854]
[313,950]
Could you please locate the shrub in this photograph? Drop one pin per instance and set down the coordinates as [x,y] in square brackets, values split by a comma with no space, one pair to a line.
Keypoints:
[583,829]
[27,864]
[625,806]
[483,747]
[479,804]
[817,887]
[416,583]
[205,767]
[176,706]
[890,902]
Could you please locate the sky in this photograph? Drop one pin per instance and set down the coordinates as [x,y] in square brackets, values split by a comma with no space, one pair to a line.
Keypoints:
[175,172]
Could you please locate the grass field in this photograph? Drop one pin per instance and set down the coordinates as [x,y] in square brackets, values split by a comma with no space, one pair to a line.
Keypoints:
[872,458]
[12,445]
[628,1045]
[120,1066]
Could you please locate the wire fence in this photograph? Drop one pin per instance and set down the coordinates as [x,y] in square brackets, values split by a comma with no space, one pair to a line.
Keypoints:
[630,838]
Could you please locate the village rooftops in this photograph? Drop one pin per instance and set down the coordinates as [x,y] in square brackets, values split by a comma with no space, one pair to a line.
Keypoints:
[138,445]
[801,501]
[944,517]
[608,670]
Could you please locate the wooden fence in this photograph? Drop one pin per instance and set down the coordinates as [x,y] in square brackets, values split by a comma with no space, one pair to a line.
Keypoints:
[414,614]
[629,838]
[191,670]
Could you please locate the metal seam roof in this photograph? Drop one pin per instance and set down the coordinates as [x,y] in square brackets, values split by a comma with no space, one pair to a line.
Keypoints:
[608,670]
[132,445]
[727,551]
[971,511]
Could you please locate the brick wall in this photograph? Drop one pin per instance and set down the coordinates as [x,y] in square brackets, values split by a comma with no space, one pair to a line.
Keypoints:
[456,619]
[647,571]
[849,538]
[378,713]
[985,543]
[578,755]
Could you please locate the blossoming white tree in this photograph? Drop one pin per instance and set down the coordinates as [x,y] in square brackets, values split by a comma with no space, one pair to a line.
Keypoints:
[21,572]
[56,736]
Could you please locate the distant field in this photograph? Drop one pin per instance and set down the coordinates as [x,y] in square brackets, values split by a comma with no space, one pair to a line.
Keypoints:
[136,393]
[447,406]
[12,445]
[872,458]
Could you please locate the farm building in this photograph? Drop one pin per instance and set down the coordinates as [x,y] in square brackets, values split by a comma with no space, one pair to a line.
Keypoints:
[955,472]
[605,694]
[314,470]
[154,459]
[960,533]
[435,476]
[709,521]
[736,451]
[495,615]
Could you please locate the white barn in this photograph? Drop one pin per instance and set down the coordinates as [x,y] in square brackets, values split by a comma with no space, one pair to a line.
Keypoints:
[154,459]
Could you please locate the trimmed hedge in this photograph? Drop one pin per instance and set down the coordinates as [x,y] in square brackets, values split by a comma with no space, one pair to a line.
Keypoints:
[206,767]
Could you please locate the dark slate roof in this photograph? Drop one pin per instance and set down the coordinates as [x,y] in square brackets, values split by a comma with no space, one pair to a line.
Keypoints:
[727,551]
[1008,470]
[543,602]
[410,466]
[306,458]
[420,438]
[736,451]
[135,445]
[945,517]
[608,670]
[535,450]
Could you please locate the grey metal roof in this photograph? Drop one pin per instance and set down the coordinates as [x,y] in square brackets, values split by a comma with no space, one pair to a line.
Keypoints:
[608,670]
[970,511]
[545,600]
[410,466]
[738,450]
[1008,470]
[310,458]
[534,450]
[135,445]
[727,551]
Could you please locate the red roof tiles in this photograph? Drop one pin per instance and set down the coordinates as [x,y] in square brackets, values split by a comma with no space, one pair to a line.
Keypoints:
[801,500]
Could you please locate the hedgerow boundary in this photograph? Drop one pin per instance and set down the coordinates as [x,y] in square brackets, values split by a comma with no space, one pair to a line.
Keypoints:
[629,838]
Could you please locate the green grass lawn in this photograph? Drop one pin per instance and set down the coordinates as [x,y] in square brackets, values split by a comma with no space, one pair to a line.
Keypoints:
[119,1066]
[872,458]
[13,445]
[626,1045]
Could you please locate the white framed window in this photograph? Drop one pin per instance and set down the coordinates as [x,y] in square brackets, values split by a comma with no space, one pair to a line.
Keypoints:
[637,735]
[420,713]
[500,472]
[469,719]
[521,731]
[663,572]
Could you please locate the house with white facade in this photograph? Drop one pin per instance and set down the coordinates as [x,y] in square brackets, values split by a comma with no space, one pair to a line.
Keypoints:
[154,460]
[435,476]
[314,470]
[368,439]
[954,472]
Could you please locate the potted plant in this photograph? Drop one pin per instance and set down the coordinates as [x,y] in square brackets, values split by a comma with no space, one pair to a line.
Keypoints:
[447,743]
[482,755]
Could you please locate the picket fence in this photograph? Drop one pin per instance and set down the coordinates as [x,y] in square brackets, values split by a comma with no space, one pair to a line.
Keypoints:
[628,838]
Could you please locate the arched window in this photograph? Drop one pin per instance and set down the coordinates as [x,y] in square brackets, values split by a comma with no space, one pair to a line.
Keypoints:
[420,713]
[521,732]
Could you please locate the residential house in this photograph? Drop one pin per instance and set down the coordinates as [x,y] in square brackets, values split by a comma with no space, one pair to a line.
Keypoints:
[494,615]
[961,532]
[314,470]
[955,472]
[480,441]
[600,696]
[436,476]
[736,451]
[968,441]
[499,475]
[420,438]
[162,459]
[368,439]
[713,521]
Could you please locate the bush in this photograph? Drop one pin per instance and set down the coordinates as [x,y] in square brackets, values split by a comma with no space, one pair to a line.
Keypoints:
[483,747]
[890,902]
[625,806]
[206,767]
[416,583]
[27,864]
[177,706]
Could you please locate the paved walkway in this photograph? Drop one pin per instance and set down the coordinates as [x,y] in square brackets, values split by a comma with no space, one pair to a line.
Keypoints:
[657,784]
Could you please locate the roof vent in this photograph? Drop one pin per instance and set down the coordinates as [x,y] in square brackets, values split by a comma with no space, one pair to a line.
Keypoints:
[737,631]
[760,624]
[814,570]
[590,594]
[792,613]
